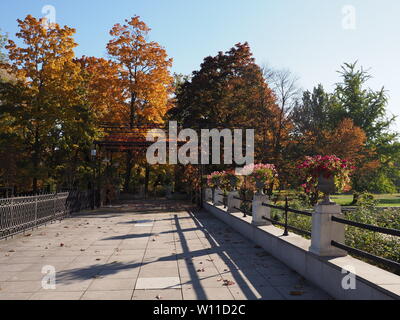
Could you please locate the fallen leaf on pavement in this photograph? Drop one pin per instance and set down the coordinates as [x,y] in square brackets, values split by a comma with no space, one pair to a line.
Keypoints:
[228,283]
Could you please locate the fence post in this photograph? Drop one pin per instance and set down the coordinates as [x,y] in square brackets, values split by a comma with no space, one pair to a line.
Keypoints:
[260,211]
[54,207]
[286,231]
[12,215]
[36,210]
[324,230]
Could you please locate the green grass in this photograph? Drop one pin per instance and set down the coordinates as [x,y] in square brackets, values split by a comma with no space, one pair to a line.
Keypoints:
[385,200]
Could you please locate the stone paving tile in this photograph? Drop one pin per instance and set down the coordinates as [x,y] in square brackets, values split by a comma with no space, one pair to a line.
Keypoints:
[256,293]
[158,283]
[71,286]
[107,284]
[24,276]
[56,295]
[15,296]
[198,293]
[302,293]
[161,294]
[207,282]
[20,286]
[245,279]
[108,295]
[141,251]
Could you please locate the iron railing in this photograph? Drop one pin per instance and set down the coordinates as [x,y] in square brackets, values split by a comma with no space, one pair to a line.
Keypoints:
[286,209]
[224,200]
[82,200]
[244,211]
[392,232]
[23,213]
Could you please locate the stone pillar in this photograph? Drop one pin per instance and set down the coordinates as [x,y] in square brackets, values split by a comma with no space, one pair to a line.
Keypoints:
[208,194]
[324,230]
[218,197]
[260,211]
[232,202]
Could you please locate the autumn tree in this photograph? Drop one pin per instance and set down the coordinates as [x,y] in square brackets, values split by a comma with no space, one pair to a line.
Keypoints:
[347,141]
[222,92]
[102,89]
[144,76]
[38,102]
[229,91]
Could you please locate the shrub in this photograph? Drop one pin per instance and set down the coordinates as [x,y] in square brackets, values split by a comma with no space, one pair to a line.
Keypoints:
[381,245]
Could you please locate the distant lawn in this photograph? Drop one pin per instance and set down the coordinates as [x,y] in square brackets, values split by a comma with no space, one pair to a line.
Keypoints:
[385,200]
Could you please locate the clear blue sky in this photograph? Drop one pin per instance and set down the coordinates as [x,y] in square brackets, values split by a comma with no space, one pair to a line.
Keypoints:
[305,36]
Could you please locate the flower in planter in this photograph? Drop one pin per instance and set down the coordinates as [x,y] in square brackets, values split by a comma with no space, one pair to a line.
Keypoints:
[264,175]
[230,181]
[214,179]
[327,174]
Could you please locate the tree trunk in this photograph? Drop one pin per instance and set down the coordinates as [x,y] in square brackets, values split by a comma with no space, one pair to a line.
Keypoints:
[356,196]
[146,181]
[128,172]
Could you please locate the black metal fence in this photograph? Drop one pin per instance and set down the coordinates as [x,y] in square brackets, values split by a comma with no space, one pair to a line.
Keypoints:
[392,232]
[18,214]
[286,209]
[246,211]
[82,200]
[23,213]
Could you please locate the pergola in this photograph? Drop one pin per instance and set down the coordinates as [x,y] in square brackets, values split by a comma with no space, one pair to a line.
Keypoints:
[122,137]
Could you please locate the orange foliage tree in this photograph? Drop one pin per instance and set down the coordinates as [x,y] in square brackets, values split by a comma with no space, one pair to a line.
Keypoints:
[39,102]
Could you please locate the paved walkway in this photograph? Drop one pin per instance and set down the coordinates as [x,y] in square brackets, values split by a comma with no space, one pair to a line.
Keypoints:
[156,250]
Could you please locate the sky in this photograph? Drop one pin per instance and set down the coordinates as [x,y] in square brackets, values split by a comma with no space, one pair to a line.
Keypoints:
[312,38]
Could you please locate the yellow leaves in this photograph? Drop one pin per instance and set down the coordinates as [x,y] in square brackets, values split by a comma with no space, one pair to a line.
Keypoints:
[45,60]
[144,74]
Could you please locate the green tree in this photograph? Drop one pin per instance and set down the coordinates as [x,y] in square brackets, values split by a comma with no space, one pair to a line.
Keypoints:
[366,107]
[311,116]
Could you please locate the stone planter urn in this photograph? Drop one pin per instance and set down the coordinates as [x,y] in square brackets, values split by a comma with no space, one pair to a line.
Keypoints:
[260,185]
[327,187]
[233,182]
